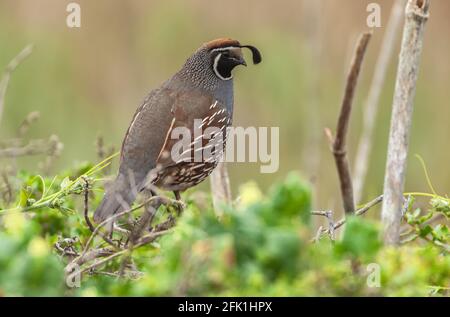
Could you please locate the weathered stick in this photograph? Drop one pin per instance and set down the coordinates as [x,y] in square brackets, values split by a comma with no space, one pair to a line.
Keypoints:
[371,108]
[7,74]
[220,188]
[336,225]
[52,146]
[338,143]
[402,109]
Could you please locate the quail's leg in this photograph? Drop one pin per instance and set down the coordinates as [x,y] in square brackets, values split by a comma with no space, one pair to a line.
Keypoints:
[180,204]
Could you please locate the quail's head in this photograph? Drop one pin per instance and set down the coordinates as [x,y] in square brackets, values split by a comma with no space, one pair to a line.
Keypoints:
[217,59]
[225,54]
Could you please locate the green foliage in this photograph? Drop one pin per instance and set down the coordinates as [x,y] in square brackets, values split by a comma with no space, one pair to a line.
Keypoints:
[366,246]
[424,227]
[27,265]
[261,246]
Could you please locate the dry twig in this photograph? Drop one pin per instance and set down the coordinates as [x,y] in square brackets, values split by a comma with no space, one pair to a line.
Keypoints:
[338,143]
[336,225]
[51,147]
[137,238]
[7,74]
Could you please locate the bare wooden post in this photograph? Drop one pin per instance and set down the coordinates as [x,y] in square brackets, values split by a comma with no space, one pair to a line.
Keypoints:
[416,15]
[220,188]
[338,144]
[362,158]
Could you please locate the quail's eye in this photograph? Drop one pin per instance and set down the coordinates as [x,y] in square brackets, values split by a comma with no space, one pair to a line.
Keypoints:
[226,54]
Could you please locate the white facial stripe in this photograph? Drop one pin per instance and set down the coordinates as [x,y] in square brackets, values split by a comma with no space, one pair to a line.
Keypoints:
[216,62]
[221,49]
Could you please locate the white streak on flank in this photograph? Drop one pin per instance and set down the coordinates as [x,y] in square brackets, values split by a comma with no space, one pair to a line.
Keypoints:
[208,146]
[216,61]
[166,139]
[213,105]
[186,151]
[212,117]
[134,120]
[214,114]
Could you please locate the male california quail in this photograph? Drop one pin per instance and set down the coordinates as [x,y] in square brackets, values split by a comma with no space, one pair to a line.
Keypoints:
[200,95]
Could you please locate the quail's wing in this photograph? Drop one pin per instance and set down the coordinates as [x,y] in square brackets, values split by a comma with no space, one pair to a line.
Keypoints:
[146,134]
[197,118]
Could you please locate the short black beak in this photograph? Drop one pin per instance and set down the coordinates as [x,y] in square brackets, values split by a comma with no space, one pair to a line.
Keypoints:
[242,61]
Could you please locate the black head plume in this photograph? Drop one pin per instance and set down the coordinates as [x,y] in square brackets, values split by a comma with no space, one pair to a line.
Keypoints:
[255,52]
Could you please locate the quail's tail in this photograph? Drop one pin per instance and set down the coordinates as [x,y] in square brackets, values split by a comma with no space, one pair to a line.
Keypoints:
[119,196]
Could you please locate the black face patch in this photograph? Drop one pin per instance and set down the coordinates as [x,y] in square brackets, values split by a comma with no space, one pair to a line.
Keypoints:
[223,64]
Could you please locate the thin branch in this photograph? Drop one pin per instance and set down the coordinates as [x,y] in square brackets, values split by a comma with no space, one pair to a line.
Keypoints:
[7,74]
[31,118]
[113,217]
[371,108]
[333,226]
[92,255]
[145,240]
[86,206]
[7,191]
[362,210]
[402,109]
[338,144]
[320,232]
[52,146]
[86,214]
[89,255]
[144,222]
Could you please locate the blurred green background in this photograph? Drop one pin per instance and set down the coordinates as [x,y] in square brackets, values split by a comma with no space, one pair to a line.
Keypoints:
[87,82]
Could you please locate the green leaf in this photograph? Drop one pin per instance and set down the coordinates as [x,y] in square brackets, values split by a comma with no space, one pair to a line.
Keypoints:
[292,198]
[23,198]
[442,205]
[424,231]
[425,218]
[65,183]
[441,233]
[361,238]
[410,238]
[412,217]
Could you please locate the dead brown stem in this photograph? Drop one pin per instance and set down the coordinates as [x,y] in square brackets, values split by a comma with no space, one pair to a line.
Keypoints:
[338,143]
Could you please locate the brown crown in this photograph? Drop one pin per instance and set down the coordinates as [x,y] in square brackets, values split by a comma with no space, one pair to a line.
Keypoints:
[222,42]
